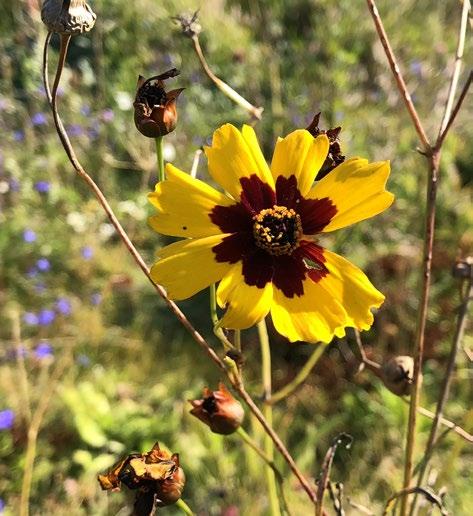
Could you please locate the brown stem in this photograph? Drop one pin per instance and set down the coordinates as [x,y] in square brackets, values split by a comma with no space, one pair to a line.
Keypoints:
[236,382]
[406,97]
[447,381]
[422,319]
[456,68]
[455,111]
[223,86]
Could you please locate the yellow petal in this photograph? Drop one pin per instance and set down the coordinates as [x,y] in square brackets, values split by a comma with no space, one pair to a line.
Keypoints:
[188,266]
[246,305]
[184,205]
[352,289]
[234,155]
[313,317]
[301,155]
[357,189]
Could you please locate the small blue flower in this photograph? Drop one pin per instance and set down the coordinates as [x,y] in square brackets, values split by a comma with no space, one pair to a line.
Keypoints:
[21,351]
[32,273]
[2,506]
[29,235]
[7,418]
[96,298]
[108,115]
[85,110]
[42,186]
[43,265]
[75,130]
[18,136]
[43,350]
[87,252]
[63,306]
[39,119]
[30,318]
[83,360]
[14,185]
[46,317]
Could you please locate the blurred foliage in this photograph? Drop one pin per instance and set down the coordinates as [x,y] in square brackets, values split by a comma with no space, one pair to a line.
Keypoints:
[133,367]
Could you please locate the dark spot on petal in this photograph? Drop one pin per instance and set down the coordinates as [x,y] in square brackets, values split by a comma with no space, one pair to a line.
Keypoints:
[184,227]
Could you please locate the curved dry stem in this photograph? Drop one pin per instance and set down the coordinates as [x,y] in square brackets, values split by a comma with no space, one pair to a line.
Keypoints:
[301,376]
[256,112]
[197,337]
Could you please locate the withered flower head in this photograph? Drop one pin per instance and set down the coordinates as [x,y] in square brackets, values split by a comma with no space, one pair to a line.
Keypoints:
[189,23]
[67,16]
[334,157]
[219,410]
[397,374]
[155,108]
[156,475]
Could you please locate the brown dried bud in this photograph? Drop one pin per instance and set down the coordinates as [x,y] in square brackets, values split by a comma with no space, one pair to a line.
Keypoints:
[189,23]
[463,268]
[219,410]
[156,475]
[68,16]
[334,156]
[397,374]
[155,108]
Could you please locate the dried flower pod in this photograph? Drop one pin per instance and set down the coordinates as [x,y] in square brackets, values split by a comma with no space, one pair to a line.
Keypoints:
[189,23]
[334,156]
[68,16]
[463,268]
[397,374]
[219,410]
[155,108]
[156,475]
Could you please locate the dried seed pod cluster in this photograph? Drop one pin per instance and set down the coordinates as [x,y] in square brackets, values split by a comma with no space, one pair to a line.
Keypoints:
[397,374]
[68,16]
[156,475]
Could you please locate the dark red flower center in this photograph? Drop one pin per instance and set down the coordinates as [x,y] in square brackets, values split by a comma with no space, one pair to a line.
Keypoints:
[152,94]
[266,229]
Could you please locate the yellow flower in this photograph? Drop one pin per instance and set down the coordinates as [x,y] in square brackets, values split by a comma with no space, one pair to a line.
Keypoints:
[258,240]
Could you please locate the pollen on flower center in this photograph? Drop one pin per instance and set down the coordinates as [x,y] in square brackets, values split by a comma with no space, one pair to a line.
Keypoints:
[277,230]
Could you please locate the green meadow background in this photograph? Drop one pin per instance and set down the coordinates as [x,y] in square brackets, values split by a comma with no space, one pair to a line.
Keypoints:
[84,337]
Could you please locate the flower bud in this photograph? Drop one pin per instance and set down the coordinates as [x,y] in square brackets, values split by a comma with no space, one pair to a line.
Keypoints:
[334,156]
[155,108]
[68,16]
[219,410]
[397,374]
[169,488]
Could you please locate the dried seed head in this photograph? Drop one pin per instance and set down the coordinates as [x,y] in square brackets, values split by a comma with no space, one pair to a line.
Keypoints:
[334,156]
[189,23]
[397,374]
[463,268]
[155,108]
[219,410]
[68,16]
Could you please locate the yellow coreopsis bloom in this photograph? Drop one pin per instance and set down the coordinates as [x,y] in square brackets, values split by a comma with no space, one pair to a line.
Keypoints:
[258,238]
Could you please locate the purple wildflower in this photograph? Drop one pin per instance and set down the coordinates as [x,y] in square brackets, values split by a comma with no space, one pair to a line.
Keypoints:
[32,273]
[96,298]
[2,506]
[85,110]
[42,186]
[87,252]
[46,317]
[18,136]
[30,318]
[39,119]
[14,185]
[75,130]
[63,306]
[43,350]
[108,115]
[7,418]
[29,235]
[43,264]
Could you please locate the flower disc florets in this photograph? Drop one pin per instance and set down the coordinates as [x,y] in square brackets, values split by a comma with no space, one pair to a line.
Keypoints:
[277,230]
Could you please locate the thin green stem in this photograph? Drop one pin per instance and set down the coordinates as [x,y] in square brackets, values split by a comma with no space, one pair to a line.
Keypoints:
[184,507]
[255,447]
[268,414]
[218,331]
[238,340]
[301,376]
[159,154]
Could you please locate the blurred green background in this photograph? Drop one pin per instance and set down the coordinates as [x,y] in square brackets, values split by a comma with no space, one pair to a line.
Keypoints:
[86,339]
